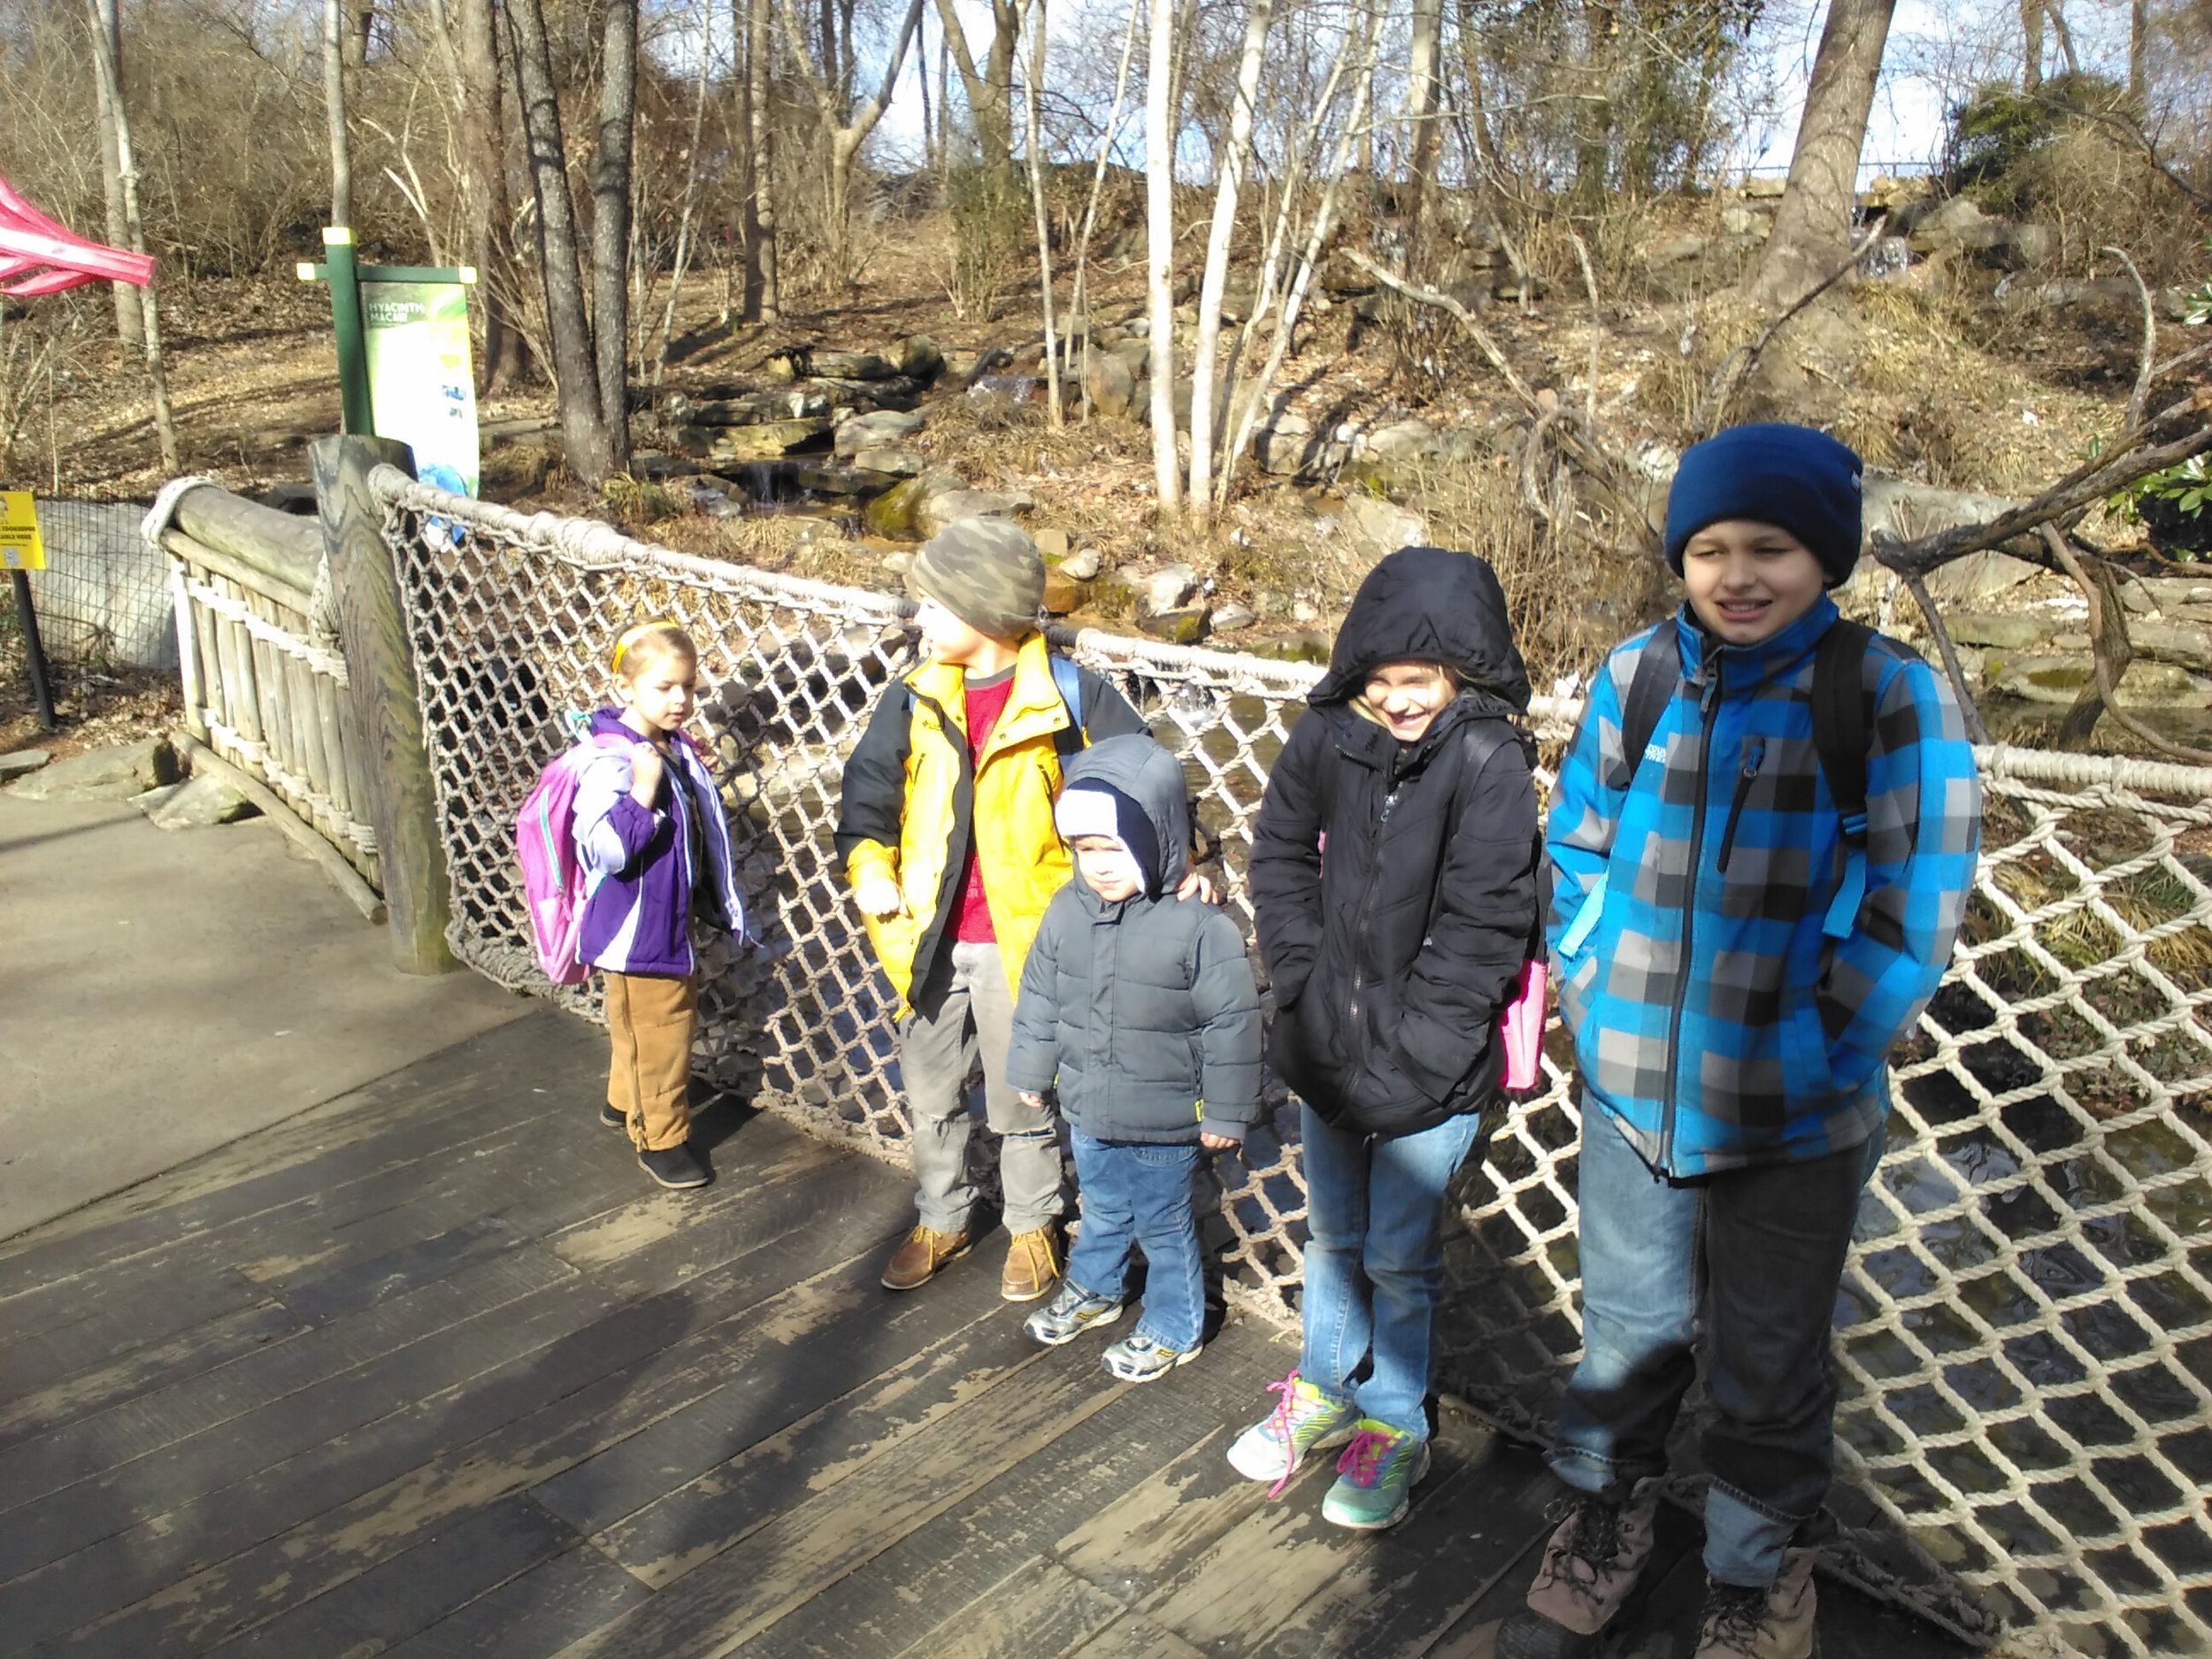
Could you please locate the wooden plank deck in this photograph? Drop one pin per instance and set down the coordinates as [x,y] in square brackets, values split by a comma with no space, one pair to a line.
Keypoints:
[433,1371]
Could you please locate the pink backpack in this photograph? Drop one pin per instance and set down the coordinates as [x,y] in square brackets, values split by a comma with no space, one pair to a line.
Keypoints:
[545,845]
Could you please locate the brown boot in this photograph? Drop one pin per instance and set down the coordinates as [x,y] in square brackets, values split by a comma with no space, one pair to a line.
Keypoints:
[1032,1266]
[1775,1622]
[1590,1566]
[919,1257]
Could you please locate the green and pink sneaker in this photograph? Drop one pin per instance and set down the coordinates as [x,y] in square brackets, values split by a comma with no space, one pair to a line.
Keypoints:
[1375,1478]
[1304,1420]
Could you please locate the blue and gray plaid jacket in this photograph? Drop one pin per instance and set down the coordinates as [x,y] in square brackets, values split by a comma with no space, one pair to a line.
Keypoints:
[1713,1017]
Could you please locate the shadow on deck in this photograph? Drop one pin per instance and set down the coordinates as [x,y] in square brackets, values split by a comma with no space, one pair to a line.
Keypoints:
[434,1371]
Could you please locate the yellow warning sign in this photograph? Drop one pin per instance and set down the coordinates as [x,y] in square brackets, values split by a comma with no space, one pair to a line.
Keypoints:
[20,549]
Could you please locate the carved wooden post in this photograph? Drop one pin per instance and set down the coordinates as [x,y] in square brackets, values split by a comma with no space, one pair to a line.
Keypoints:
[381,670]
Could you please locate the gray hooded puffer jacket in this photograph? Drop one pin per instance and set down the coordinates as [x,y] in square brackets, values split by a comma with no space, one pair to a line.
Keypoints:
[1144,1010]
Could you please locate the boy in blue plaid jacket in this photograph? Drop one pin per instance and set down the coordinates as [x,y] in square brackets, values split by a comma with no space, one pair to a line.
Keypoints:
[1732,1021]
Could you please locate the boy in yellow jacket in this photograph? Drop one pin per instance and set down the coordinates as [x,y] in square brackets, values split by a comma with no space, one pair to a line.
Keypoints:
[946,835]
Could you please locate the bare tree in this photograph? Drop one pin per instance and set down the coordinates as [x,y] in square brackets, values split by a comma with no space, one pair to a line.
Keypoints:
[334,102]
[584,438]
[1233,157]
[611,225]
[474,67]
[1159,201]
[691,191]
[134,227]
[1033,19]
[1812,226]
[990,91]
[763,286]
[843,138]
[130,326]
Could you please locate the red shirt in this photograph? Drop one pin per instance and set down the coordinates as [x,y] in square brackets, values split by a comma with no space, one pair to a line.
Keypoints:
[986,702]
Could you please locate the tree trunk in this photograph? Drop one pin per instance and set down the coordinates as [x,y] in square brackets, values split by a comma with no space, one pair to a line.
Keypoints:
[485,186]
[1031,82]
[334,106]
[762,288]
[843,138]
[2030,46]
[584,440]
[921,81]
[611,225]
[2139,55]
[1080,299]
[1812,226]
[1258,21]
[691,192]
[1424,98]
[130,326]
[990,90]
[1159,200]
[135,228]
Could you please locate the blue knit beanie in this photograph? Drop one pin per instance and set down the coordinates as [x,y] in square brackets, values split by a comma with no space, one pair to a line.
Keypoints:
[1804,481]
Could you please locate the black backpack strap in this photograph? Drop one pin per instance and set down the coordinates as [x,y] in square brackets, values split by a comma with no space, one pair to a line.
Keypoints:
[1843,732]
[1650,688]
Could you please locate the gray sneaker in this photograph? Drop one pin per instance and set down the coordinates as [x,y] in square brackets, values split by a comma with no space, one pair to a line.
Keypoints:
[1071,1311]
[1137,1359]
[1590,1566]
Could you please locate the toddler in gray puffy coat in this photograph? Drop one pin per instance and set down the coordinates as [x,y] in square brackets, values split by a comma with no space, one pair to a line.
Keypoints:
[1142,1008]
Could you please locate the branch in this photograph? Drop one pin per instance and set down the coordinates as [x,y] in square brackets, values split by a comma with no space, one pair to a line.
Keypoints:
[1445,301]
[1590,282]
[2103,650]
[1736,368]
[2095,478]
[1969,712]
[2150,339]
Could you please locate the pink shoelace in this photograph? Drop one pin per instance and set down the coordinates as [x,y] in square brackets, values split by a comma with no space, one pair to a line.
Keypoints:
[1363,1458]
[1280,1421]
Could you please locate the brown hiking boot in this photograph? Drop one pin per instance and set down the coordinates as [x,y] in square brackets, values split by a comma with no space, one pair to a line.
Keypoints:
[1032,1266]
[1590,1566]
[1775,1622]
[919,1257]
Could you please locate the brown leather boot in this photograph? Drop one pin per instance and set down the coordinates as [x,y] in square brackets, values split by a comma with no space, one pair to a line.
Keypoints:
[1590,1566]
[1032,1266]
[919,1257]
[1775,1622]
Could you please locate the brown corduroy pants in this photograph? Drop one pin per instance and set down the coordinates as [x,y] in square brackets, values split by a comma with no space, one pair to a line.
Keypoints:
[649,1022]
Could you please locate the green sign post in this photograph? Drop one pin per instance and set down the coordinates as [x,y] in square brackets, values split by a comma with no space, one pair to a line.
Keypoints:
[403,368]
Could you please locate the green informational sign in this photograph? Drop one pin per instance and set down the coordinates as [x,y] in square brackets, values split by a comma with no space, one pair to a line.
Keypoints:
[421,387]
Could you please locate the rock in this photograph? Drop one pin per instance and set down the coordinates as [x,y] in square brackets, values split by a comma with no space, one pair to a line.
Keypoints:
[1113,384]
[800,403]
[897,563]
[1080,565]
[2004,630]
[1380,527]
[1308,646]
[933,512]
[851,365]
[1230,618]
[2187,643]
[201,803]
[1678,250]
[2060,679]
[22,762]
[1409,439]
[919,356]
[893,514]
[115,773]
[1766,188]
[1746,221]
[655,468]
[1052,543]
[884,426]
[1978,578]
[766,440]
[1177,627]
[1512,288]
[1955,226]
[1300,612]
[1135,354]
[894,460]
[1166,588]
[1064,593]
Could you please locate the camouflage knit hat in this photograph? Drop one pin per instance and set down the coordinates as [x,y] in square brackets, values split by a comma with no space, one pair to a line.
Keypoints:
[987,572]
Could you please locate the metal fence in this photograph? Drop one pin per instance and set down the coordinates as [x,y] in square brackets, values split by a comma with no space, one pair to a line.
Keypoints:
[103,597]
[2025,1332]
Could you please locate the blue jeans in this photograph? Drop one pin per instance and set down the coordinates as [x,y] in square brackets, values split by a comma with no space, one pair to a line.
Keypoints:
[1140,1192]
[1374,1259]
[1763,1248]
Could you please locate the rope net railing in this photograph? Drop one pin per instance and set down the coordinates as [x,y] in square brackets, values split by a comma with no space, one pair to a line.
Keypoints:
[2026,1329]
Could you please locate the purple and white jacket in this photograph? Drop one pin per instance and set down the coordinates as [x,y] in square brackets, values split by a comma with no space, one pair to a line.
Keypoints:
[640,863]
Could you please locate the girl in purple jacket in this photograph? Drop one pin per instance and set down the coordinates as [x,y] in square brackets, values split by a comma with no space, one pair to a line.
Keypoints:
[655,850]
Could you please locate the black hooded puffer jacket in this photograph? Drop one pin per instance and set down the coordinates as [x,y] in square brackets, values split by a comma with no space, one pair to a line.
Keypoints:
[1395,885]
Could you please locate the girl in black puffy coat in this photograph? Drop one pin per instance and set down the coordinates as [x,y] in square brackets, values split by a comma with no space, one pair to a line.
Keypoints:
[1394,879]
